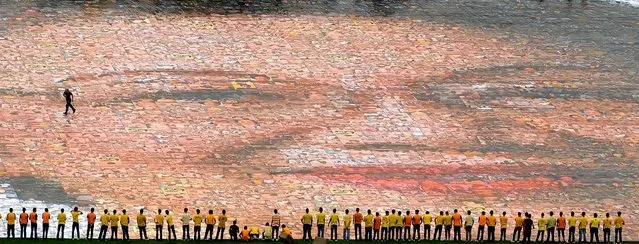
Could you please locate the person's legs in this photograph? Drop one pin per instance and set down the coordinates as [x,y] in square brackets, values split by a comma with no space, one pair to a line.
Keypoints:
[427,231]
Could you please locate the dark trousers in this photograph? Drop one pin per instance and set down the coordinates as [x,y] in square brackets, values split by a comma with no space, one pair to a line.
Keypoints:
[502,234]
[275,232]
[517,233]
[368,233]
[358,231]
[457,233]
[617,234]
[561,233]
[171,229]
[384,233]
[469,234]
[34,231]
[427,231]
[398,232]
[527,235]
[197,231]
[307,232]
[90,231]
[606,237]
[406,232]
[376,234]
[114,232]
[45,230]
[125,232]
[447,231]
[69,105]
[23,230]
[391,232]
[142,230]
[594,232]
[208,232]
[540,233]
[551,234]
[416,232]
[60,234]
[491,233]
[320,230]
[11,231]
[185,232]
[438,232]
[571,234]
[334,232]
[75,227]
[158,232]
[103,232]
[220,233]
[480,233]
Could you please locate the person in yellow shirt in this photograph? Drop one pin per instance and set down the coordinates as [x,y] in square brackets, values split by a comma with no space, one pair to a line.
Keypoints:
[427,219]
[448,225]
[46,216]
[377,225]
[254,233]
[114,220]
[347,225]
[457,223]
[619,223]
[321,222]
[104,225]
[210,225]
[33,219]
[62,220]
[607,224]
[399,225]
[221,225]
[583,225]
[594,228]
[439,223]
[159,221]
[90,223]
[334,219]
[391,224]
[75,225]
[197,224]
[170,226]
[519,221]
[503,222]
[480,228]
[572,226]
[541,224]
[141,221]
[11,224]
[124,222]
[385,225]
[368,226]
[307,223]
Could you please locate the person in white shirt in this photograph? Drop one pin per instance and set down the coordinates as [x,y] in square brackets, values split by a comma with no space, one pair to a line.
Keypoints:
[468,225]
[186,218]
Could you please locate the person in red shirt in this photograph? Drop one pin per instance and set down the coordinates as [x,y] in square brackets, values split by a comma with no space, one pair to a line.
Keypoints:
[377,225]
[90,223]
[24,219]
[357,219]
[45,223]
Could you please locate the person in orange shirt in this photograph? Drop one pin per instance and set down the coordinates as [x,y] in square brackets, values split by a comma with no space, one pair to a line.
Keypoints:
[33,218]
[11,224]
[492,222]
[24,219]
[377,225]
[561,227]
[482,223]
[244,235]
[457,224]
[90,223]
[408,222]
[417,222]
[357,219]
[45,223]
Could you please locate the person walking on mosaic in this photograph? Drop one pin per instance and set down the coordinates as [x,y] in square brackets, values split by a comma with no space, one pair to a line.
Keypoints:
[104,225]
[307,226]
[24,220]
[552,224]
[321,222]
[186,220]
[457,223]
[561,227]
[68,96]
[347,225]
[115,221]
[46,217]
[594,228]
[159,221]
[468,225]
[170,226]
[124,222]
[619,223]
[62,220]
[75,222]
[33,219]
[275,224]
[90,223]
[427,219]
[221,225]
[197,225]
[334,219]
[377,225]
[141,221]
[503,222]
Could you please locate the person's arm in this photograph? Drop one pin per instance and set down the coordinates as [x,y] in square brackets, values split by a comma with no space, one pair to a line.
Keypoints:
[71,97]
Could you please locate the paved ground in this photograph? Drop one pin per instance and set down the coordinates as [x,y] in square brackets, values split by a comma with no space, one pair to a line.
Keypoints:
[250,106]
